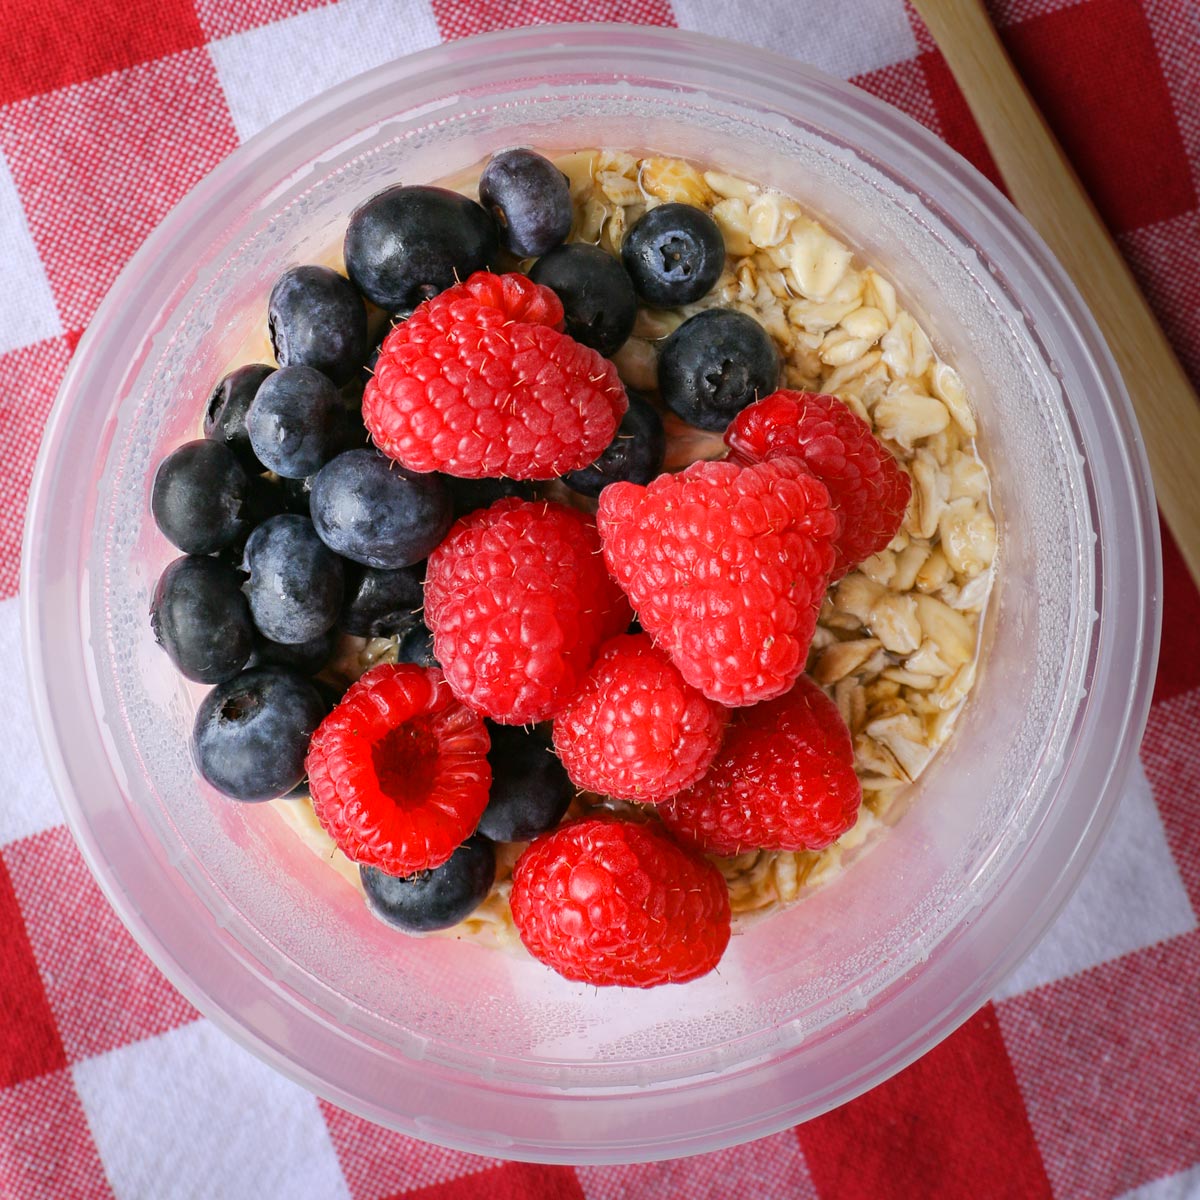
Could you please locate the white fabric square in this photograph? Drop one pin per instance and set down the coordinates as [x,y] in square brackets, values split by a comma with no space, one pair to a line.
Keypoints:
[843,39]
[1184,1186]
[29,804]
[267,72]
[28,313]
[190,1113]
[1130,897]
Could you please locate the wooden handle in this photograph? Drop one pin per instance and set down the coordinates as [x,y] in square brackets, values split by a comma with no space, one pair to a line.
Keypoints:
[1045,188]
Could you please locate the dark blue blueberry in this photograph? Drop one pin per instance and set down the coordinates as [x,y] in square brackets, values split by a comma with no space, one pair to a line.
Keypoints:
[296,494]
[415,645]
[201,619]
[305,657]
[530,199]
[296,421]
[295,585]
[530,789]
[434,899]
[715,364]
[371,510]
[225,413]
[368,370]
[409,243]
[635,455]
[265,497]
[317,319]
[597,296]
[674,254]
[381,603]
[199,497]
[469,494]
[251,733]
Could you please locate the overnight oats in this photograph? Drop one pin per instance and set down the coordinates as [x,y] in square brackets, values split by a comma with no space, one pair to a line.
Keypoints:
[588,557]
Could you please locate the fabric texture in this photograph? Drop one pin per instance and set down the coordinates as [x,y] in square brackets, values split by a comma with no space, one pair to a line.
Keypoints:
[1081,1079]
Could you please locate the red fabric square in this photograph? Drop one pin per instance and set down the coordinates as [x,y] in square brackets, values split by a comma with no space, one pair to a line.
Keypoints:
[103,990]
[1179,657]
[1172,764]
[220,18]
[1109,1065]
[379,1163]
[29,1042]
[771,1166]
[952,1124]
[31,377]
[99,165]
[47,1148]
[510,1181]
[461,18]
[1095,74]
[905,86]
[958,127]
[52,43]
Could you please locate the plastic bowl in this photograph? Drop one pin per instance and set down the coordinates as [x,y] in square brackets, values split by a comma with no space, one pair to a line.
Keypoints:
[486,1051]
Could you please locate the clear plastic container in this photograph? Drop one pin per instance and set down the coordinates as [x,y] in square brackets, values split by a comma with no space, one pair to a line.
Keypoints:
[479,1049]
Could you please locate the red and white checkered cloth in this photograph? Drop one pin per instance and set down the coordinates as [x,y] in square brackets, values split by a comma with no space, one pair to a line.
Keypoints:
[1081,1079]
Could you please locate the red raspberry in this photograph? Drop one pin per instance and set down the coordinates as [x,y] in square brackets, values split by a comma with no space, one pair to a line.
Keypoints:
[868,488]
[726,567]
[635,730]
[519,604]
[784,780]
[480,382]
[615,902]
[398,772]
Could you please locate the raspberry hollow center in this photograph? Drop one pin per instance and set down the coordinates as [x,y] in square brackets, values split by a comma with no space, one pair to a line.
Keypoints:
[406,763]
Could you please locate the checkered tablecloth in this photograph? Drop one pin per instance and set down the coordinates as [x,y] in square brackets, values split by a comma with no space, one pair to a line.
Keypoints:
[1080,1079]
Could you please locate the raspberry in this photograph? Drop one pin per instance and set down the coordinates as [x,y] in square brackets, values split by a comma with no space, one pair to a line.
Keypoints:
[726,567]
[614,902]
[635,730]
[784,780]
[398,772]
[519,604]
[480,382]
[868,488]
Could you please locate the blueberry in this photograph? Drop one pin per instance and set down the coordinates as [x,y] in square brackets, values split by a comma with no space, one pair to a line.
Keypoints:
[201,619]
[715,364]
[305,657]
[296,494]
[530,789]
[595,291]
[381,603]
[434,899]
[296,421]
[674,254]
[635,455]
[371,510]
[409,243]
[265,497]
[318,320]
[530,199]
[225,413]
[467,495]
[251,733]
[295,585]
[415,645]
[368,370]
[199,496]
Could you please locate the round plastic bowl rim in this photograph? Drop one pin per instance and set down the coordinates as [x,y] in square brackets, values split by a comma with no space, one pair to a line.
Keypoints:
[43,595]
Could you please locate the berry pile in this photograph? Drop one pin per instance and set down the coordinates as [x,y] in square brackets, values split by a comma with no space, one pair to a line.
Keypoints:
[436,486]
